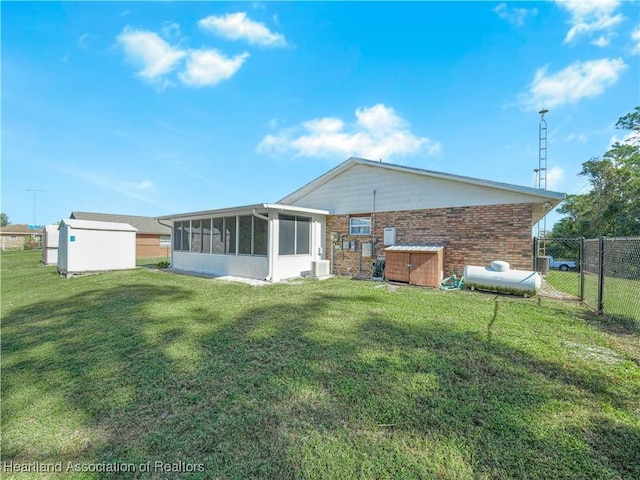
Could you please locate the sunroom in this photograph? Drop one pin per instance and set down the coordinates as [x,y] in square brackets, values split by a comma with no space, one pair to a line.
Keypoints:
[270,242]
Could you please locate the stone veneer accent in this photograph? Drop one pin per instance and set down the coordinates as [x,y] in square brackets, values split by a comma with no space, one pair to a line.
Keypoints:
[471,235]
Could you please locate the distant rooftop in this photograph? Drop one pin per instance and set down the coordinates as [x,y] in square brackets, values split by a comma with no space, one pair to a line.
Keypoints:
[20,229]
[142,224]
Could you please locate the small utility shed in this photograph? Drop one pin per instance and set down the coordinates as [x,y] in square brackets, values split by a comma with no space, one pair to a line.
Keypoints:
[153,239]
[50,245]
[373,205]
[416,264]
[264,241]
[89,246]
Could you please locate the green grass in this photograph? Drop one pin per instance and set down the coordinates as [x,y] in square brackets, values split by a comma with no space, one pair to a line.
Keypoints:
[152,261]
[621,296]
[333,379]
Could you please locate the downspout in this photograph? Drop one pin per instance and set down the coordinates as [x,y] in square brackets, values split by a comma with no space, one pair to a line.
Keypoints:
[172,239]
[373,225]
[270,243]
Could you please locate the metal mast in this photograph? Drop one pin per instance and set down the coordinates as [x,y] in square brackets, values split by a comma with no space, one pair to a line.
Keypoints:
[35,191]
[541,171]
[542,151]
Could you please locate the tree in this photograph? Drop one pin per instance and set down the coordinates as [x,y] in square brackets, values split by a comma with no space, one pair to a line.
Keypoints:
[4,220]
[612,206]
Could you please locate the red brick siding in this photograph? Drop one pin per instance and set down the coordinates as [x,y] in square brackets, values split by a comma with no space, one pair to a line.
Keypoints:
[471,235]
[148,245]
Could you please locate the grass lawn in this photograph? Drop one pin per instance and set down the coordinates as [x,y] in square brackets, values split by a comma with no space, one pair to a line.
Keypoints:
[333,379]
[621,296]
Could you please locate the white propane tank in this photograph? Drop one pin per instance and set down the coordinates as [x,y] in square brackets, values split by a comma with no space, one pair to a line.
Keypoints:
[500,278]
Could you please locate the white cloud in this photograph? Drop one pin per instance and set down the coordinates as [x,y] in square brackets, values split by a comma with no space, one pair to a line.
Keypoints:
[515,16]
[602,41]
[83,41]
[236,26]
[577,81]
[576,137]
[555,175]
[209,67]
[378,132]
[589,16]
[635,36]
[101,179]
[147,50]
[631,138]
[157,59]
[171,30]
[142,185]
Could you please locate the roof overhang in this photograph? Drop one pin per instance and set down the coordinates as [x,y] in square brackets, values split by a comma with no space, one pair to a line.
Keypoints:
[245,209]
[541,196]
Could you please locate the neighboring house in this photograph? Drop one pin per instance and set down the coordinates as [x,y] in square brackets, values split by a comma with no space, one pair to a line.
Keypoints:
[477,221]
[152,238]
[14,237]
[350,214]
[263,241]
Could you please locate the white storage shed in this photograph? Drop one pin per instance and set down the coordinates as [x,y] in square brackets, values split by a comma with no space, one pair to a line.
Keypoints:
[90,246]
[50,245]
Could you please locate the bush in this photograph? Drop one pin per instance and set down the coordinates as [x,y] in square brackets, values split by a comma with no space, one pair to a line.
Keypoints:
[164,264]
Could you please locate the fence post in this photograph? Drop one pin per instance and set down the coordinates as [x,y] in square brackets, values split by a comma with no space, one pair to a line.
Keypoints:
[535,254]
[582,265]
[601,277]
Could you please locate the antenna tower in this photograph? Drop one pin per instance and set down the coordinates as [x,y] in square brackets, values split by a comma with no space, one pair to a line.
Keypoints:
[541,171]
[542,151]
[35,191]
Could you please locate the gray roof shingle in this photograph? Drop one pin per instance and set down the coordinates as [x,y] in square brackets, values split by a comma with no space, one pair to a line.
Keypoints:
[143,224]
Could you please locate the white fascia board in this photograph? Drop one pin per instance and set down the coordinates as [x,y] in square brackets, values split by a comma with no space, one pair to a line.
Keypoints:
[541,195]
[245,209]
[289,208]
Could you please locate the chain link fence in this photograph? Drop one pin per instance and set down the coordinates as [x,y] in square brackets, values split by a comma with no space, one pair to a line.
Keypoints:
[604,273]
[621,262]
[560,266]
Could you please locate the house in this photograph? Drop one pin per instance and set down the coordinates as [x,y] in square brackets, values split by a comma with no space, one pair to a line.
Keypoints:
[263,241]
[375,205]
[342,221]
[152,238]
[89,246]
[19,236]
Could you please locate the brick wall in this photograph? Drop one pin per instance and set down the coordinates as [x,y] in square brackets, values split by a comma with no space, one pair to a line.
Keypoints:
[148,245]
[471,235]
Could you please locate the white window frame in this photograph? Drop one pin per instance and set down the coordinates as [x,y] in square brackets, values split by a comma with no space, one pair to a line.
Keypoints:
[358,229]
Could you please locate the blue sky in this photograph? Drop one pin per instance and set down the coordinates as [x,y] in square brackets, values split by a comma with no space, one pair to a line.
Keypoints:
[156,108]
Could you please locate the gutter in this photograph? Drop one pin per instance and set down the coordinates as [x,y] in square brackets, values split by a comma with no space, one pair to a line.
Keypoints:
[171,229]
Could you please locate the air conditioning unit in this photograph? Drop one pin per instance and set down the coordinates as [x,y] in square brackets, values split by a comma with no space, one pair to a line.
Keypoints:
[320,268]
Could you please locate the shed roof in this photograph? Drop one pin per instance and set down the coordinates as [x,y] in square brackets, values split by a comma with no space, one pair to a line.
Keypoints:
[141,224]
[92,225]
[414,248]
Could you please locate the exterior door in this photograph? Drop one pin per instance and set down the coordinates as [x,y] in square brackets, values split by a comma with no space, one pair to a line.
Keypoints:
[416,268]
[396,267]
